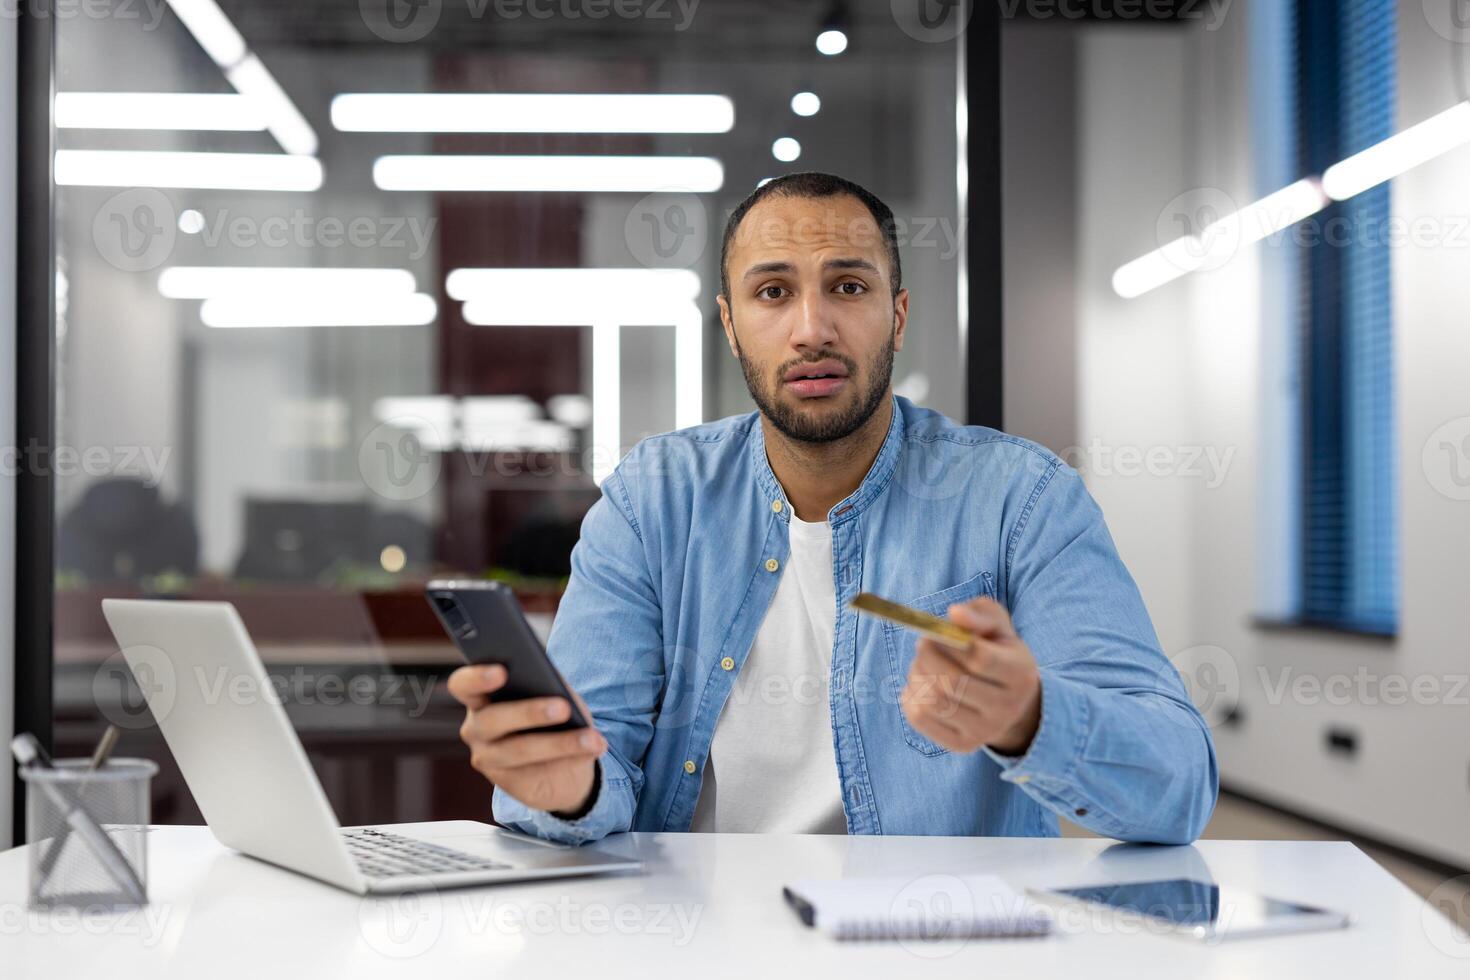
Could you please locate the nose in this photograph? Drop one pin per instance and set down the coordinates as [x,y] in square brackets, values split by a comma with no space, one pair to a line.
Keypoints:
[815,326]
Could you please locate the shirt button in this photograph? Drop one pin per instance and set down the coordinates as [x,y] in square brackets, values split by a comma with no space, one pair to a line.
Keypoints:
[1022,780]
[776,506]
[772,564]
[728,663]
[689,766]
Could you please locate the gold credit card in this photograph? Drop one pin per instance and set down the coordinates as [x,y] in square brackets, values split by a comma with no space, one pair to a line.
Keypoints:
[933,627]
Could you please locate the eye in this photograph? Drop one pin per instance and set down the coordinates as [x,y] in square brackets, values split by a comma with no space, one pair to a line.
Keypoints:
[770,292]
[851,288]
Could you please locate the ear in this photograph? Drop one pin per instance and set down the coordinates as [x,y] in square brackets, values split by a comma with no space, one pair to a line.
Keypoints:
[900,317]
[727,320]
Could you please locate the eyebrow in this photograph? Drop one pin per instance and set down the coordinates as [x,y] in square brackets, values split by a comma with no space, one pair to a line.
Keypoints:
[769,268]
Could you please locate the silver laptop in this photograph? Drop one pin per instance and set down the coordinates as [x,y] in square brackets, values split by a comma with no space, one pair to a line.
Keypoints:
[224,722]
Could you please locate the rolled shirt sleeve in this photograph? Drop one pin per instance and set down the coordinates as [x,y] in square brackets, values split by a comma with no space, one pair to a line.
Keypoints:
[1120,748]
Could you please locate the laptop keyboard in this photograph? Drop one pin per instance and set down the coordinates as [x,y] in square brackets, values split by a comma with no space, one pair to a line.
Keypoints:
[380,854]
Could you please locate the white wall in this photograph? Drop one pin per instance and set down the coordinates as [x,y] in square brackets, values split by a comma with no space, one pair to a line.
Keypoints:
[1182,366]
[8,242]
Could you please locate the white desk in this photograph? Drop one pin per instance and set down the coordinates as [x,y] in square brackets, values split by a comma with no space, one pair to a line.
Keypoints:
[710,906]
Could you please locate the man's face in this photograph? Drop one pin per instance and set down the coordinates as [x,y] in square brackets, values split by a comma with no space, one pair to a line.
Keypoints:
[811,294]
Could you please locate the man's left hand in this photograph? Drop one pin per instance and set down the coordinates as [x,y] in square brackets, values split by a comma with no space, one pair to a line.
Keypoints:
[987,694]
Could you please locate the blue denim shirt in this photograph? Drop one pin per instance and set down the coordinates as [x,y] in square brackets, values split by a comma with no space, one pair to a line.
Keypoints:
[679,560]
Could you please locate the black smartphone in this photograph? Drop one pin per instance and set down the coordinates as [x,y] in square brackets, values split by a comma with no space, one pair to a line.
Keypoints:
[487,625]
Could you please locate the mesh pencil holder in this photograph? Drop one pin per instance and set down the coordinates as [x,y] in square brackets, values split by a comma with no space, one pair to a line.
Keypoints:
[71,862]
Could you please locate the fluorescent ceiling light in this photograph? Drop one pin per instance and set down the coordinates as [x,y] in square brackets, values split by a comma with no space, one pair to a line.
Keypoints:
[158,110]
[1218,241]
[1181,256]
[532,113]
[212,29]
[588,290]
[227,49]
[194,171]
[605,300]
[253,282]
[283,119]
[589,174]
[806,104]
[413,310]
[1399,153]
[831,42]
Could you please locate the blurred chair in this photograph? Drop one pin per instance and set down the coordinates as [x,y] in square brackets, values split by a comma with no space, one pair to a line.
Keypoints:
[293,540]
[122,530]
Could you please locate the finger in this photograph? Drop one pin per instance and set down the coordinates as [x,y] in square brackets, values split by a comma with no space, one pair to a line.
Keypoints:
[529,750]
[984,617]
[952,698]
[496,721]
[940,731]
[979,661]
[471,683]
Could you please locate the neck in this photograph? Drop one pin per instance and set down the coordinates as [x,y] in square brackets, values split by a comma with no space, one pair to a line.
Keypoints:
[818,475]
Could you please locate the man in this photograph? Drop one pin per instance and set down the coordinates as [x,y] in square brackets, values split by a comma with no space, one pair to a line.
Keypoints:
[706,621]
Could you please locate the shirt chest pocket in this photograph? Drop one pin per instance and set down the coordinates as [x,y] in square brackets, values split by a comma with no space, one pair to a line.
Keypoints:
[900,645]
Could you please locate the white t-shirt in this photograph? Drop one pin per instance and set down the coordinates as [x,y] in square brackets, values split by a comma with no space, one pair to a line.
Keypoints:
[772,756]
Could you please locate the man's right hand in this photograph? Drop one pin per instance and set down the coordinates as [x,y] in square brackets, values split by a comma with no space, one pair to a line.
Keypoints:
[544,770]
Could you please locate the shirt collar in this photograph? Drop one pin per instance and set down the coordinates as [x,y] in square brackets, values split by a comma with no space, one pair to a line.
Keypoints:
[856,502]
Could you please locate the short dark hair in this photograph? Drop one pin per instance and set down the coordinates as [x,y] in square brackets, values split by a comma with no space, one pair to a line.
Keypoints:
[813,184]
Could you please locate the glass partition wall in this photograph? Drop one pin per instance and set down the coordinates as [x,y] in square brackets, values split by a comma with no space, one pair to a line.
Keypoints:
[352,295]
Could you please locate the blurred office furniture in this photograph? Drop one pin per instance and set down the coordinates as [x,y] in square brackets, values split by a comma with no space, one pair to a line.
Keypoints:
[300,540]
[122,530]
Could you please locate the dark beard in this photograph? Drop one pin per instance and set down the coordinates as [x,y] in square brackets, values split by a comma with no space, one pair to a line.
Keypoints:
[797,427]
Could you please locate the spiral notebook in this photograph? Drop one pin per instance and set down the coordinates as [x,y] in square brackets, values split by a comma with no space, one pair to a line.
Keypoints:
[927,907]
